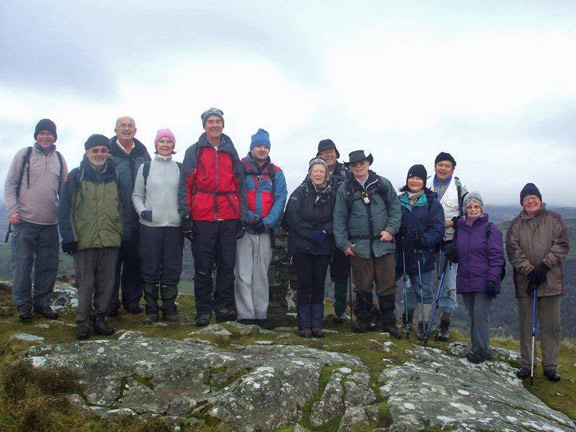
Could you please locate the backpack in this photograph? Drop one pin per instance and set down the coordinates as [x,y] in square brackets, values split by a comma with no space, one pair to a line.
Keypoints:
[26,161]
[146,170]
[381,189]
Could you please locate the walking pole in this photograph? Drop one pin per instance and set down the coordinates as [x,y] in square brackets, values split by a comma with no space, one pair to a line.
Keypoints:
[351,301]
[432,320]
[407,286]
[421,293]
[534,322]
[8,233]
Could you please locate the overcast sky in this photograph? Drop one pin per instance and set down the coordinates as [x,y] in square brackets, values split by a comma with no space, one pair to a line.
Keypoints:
[492,82]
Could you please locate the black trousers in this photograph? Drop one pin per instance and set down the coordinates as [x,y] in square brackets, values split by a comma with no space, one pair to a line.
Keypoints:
[339,266]
[161,254]
[310,274]
[128,276]
[214,244]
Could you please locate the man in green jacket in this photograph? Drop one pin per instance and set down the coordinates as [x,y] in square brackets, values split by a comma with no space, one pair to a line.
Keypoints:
[92,214]
[366,217]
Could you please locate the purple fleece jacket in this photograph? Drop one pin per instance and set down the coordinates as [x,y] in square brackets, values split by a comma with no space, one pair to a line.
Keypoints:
[480,255]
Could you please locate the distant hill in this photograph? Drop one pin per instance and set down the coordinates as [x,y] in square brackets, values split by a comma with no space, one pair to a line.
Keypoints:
[506,213]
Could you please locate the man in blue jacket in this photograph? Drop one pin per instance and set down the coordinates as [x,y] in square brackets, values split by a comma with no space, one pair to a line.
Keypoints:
[128,154]
[266,196]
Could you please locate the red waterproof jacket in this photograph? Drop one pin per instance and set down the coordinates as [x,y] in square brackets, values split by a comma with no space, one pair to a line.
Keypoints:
[211,182]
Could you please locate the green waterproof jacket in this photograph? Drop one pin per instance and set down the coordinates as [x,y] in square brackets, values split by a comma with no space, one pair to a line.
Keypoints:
[92,208]
[362,213]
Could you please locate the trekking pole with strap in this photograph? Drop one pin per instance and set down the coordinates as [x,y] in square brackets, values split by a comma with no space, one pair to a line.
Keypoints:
[422,317]
[8,233]
[534,323]
[432,320]
[407,286]
[351,301]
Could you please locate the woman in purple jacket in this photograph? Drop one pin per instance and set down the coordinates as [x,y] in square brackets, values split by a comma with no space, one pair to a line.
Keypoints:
[480,256]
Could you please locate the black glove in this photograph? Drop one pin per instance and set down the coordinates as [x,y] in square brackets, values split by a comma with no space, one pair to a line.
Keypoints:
[258,226]
[318,237]
[70,247]
[490,290]
[241,230]
[451,253]
[187,227]
[539,274]
[418,241]
[147,215]
[455,220]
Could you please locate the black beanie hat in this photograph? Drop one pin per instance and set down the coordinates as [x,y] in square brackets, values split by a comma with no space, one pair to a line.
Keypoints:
[417,171]
[96,140]
[529,189]
[46,124]
[327,144]
[443,156]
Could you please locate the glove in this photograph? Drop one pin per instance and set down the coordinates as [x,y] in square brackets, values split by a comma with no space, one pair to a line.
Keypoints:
[70,247]
[241,230]
[187,227]
[418,241]
[451,253]
[455,220]
[318,237]
[490,290]
[539,274]
[146,215]
[258,226]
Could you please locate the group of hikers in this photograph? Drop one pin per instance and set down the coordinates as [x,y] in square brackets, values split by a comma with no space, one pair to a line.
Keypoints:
[123,216]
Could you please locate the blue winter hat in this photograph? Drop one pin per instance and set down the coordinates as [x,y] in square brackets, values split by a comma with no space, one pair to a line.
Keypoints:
[260,138]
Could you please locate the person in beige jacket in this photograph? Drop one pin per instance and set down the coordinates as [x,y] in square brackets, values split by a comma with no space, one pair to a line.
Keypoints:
[536,244]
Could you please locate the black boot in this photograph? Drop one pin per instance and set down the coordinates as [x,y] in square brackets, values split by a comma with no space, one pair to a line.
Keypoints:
[407,321]
[443,332]
[422,328]
[363,306]
[168,293]
[82,330]
[387,316]
[151,298]
[317,319]
[101,326]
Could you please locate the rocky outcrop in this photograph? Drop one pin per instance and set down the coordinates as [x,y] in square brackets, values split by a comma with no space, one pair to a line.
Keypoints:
[255,387]
[439,391]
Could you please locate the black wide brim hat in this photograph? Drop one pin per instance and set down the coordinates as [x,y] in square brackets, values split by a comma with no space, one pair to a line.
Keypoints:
[358,156]
[327,144]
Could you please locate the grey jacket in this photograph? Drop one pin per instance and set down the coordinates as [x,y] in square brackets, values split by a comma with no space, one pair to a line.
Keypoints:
[41,182]
[358,223]
[159,193]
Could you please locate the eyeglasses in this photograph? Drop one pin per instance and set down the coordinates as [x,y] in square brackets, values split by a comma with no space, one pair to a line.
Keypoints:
[102,150]
[532,198]
[126,126]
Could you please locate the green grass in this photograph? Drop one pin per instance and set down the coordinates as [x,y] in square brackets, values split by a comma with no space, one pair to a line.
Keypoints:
[36,400]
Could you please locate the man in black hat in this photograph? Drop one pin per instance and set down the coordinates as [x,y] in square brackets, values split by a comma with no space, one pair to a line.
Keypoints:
[339,263]
[31,195]
[366,218]
[450,192]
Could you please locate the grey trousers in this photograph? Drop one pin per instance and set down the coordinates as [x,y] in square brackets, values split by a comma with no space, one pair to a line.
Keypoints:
[251,290]
[478,307]
[548,315]
[34,246]
[95,270]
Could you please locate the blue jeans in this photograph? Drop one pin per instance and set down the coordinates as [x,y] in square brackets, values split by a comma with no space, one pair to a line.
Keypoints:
[34,246]
[448,301]
[413,295]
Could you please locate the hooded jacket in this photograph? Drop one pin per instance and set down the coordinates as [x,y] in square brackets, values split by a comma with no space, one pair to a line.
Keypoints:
[308,210]
[532,240]
[480,255]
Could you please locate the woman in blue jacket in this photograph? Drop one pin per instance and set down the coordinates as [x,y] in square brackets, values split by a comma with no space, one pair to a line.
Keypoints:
[480,257]
[421,230]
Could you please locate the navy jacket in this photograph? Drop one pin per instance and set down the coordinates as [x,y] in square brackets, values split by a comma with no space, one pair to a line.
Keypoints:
[426,218]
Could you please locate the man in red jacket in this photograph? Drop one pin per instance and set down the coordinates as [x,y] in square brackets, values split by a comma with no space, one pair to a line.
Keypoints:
[213,216]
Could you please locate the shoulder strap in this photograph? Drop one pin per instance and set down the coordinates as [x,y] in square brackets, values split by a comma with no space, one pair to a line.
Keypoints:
[25,161]
[272,175]
[60,179]
[146,172]
[460,197]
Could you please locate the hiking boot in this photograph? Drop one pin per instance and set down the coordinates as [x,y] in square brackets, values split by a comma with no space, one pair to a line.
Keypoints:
[523,372]
[361,327]
[393,331]
[443,332]
[246,321]
[265,324]
[134,309]
[224,315]
[177,318]
[339,319]
[25,315]
[82,332]
[422,328]
[473,358]
[47,312]
[317,332]
[552,375]
[113,312]
[364,306]
[203,320]
[150,319]
[101,326]
[305,332]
